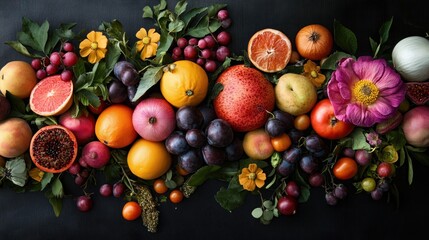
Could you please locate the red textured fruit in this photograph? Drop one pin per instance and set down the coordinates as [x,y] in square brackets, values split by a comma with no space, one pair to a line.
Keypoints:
[245,99]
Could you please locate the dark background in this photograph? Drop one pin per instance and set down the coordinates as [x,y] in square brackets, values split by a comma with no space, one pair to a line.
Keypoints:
[29,215]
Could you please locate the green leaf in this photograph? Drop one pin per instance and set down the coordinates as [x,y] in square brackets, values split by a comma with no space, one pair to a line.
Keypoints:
[160,7]
[149,79]
[268,204]
[230,199]
[57,204]
[396,138]
[331,62]
[147,12]
[202,175]
[57,188]
[257,212]
[164,43]
[112,172]
[384,31]
[47,177]
[276,158]
[410,168]
[87,97]
[34,35]
[271,183]
[268,215]
[17,171]
[374,46]
[359,140]
[203,28]
[180,7]
[345,38]
[20,48]
[213,9]
[176,26]
[83,81]
[113,54]
[188,16]
[16,103]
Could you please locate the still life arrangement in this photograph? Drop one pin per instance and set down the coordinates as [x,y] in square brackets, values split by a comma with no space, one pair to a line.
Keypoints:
[160,111]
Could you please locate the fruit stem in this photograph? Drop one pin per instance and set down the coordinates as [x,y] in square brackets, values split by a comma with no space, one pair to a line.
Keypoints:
[314,37]
[152,120]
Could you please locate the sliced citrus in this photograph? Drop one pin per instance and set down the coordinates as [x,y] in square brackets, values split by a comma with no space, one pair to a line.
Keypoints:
[269,50]
[51,96]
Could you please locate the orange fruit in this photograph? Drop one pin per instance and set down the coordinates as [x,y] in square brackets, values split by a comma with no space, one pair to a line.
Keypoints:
[148,160]
[345,168]
[314,42]
[269,50]
[114,126]
[281,143]
[302,122]
[245,99]
[18,78]
[176,196]
[184,83]
[51,96]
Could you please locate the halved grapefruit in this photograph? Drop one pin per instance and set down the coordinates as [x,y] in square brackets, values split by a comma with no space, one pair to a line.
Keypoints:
[269,50]
[51,96]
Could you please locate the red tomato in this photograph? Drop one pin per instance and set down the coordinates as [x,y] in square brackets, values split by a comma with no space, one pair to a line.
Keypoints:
[345,168]
[131,211]
[325,124]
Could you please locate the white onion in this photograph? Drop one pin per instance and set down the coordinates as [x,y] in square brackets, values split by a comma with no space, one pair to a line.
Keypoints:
[410,58]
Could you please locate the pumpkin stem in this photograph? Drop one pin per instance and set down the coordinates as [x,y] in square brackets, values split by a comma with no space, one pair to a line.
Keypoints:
[314,37]
[169,67]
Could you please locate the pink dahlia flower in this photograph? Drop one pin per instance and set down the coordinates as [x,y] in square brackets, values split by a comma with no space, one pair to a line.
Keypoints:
[365,91]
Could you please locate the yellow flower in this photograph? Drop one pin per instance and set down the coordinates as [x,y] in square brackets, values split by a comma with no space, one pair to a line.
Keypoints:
[94,47]
[148,43]
[312,71]
[36,174]
[252,177]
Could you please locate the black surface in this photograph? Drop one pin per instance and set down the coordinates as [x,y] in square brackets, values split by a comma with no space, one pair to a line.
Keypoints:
[29,215]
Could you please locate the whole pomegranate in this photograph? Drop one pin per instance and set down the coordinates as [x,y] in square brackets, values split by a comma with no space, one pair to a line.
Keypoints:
[416,126]
[245,99]
[82,126]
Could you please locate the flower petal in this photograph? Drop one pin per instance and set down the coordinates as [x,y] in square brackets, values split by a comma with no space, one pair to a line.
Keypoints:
[252,167]
[102,42]
[92,58]
[84,52]
[249,185]
[155,37]
[91,36]
[141,33]
[259,183]
[368,68]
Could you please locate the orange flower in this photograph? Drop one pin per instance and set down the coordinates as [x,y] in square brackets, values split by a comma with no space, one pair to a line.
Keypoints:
[36,174]
[148,43]
[94,47]
[312,72]
[252,177]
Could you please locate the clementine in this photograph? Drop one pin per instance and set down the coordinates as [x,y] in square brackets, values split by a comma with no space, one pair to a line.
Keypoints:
[114,126]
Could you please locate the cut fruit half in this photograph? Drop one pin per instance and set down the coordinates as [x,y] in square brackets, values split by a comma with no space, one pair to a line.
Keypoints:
[53,148]
[269,50]
[51,96]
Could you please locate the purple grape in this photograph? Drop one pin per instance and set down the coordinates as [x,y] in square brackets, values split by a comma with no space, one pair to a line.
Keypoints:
[223,38]
[211,42]
[377,194]
[191,160]
[219,133]
[210,65]
[206,53]
[222,53]
[36,63]
[226,23]
[176,143]
[202,44]
[74,168]
[106,190]
[308,163]
[316,179]
[292,155]
[129,77]
[118,189]
[177,51]
[84,203]
[70,59]
[349,152]
[340,191]
[195,138]
[79,180]
[331,199]
[200,61]
[213,155]
[182,42]
[222,14]
[68,47]
[41,74]
[51,69]
[118,92]
[55,58]
[285,168]
[66,75]
[363,157]
[190,52]
[292,189]
[193,41]
[234,151]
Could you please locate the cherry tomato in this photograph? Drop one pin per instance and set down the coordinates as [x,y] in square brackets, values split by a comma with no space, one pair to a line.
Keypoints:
[345,168]
[131,211]
[385,169]
[325,124]
[159,186]
[302,122]
[176,196]
[281,143]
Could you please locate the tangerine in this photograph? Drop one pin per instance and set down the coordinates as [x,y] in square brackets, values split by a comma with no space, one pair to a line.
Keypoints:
[184,83]
[269,50]
[51,96]
[148,160]
[114,126]
[281,143]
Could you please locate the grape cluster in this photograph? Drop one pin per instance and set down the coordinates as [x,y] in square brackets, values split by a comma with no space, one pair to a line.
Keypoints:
[287,203]
[200,138]
[123,86]
[208,51]
[57,62]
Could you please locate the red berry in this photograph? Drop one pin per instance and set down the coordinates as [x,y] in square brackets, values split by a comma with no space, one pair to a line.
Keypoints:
[182,42]
[287,205]
[222,14]
[36,64]
[68,47]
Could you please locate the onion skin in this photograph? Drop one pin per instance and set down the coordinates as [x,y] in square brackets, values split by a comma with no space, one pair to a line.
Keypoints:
[410,58]
[416,126]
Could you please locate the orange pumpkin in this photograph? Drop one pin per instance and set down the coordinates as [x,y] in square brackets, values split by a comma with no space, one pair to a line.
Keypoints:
[314,42]
[184,83]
